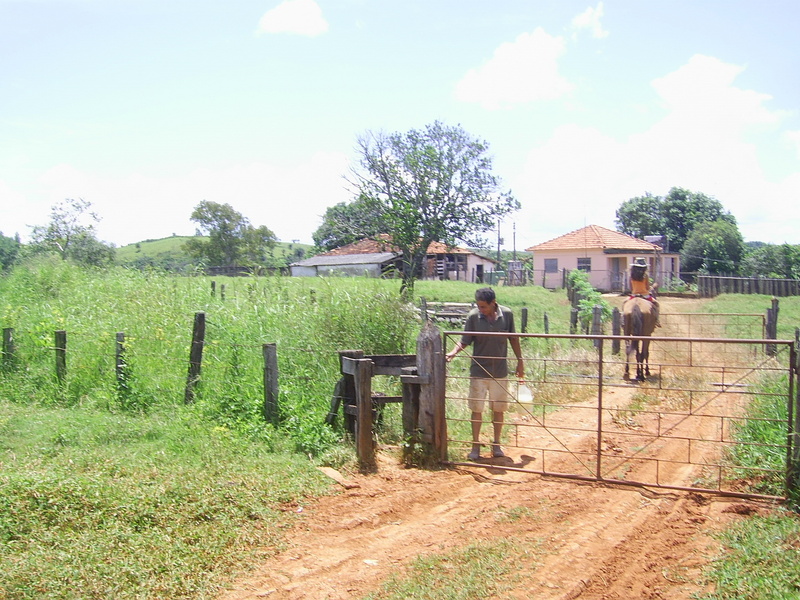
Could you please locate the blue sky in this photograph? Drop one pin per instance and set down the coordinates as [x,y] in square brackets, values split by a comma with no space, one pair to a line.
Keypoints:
[147,107]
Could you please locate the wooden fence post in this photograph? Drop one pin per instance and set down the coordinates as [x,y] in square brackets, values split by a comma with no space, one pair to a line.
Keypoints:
[410,410]
[431,376]
[546,323]
[120,365]
[573,320]
[597,323]
[524,325]
[361,370]
[195,356]
[616,329]
[793,452]
[61,356]
[423,307]
[271,408]
[9,349]
[772,328]
[348,390]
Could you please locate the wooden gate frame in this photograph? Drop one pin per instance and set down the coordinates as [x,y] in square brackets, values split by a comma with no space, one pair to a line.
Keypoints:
[422,376]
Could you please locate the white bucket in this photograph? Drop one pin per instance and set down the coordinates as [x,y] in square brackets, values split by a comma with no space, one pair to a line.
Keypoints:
[524,394]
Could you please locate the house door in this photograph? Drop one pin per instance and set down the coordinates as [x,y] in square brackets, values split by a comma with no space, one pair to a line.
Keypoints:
[617,274]
[479,274]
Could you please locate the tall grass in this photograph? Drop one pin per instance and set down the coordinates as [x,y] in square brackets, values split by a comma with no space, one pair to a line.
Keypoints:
[127,492]
[759,561]
[101,505]
[788,309]
[309,320]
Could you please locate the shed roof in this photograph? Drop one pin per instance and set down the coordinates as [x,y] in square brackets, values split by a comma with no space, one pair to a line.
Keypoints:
[384,244]
[328,260]
[596,237]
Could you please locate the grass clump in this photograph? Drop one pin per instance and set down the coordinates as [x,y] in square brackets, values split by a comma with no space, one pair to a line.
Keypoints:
[761,560]
[479,570]
[94,505]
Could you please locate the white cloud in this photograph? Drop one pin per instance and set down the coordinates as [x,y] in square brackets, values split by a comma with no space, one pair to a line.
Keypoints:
[521,71]
[301,17]
[700,144]
[701,94]
[590,20]
[12,219]
[793,137]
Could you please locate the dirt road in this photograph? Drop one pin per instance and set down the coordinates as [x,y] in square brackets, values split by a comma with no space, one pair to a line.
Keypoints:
[577,540]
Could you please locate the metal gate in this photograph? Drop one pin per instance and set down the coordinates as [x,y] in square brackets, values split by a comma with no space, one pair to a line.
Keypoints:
[715,415]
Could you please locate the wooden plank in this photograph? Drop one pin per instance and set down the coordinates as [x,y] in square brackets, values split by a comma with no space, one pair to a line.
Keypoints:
[391,364]
[418,379]
[338,478]
[431,364]
[364,444]
[386,399]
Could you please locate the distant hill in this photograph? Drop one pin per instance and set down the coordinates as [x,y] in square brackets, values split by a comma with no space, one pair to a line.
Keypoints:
[167,253]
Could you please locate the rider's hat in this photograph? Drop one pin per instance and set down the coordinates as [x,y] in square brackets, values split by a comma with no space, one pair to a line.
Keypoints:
[639,262]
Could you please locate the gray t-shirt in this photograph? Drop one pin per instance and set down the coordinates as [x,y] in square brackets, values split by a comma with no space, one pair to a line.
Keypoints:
[489,352]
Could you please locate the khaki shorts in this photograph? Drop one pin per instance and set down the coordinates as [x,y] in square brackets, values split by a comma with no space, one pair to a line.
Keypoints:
[499,391]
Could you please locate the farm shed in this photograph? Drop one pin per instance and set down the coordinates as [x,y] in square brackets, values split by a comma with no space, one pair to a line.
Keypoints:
[604,255]
[369,264]
[378,257]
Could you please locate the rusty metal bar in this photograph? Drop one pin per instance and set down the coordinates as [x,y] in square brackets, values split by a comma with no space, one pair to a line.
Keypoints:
[599,448]
[731,379]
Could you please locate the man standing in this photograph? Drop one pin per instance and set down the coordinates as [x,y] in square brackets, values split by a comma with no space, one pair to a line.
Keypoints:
[489,368]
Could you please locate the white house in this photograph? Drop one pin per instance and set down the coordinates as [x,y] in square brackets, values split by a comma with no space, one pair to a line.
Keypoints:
[604,255]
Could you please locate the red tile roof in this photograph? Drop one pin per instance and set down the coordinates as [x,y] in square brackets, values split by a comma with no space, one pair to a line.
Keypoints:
[383,244]
[595,237]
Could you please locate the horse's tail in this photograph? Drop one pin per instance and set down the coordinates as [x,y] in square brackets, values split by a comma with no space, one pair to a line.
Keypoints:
[638,320]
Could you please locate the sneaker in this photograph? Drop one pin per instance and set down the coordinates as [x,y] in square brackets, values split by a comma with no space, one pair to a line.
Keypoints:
[474,455]
[497,451]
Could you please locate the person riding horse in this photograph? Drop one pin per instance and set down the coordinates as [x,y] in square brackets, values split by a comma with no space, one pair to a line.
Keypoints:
[640,285]
[639,318]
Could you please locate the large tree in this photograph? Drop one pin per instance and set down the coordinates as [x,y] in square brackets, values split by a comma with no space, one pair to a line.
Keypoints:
[771,260]
[232,240]
[433,184]
[9,251]
[347,222]
[71,234]
[674,216]
[713,247]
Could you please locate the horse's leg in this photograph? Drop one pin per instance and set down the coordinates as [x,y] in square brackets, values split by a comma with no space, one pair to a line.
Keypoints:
[626,375]
[638,328]
[646,356]
[626,329]
[639,361]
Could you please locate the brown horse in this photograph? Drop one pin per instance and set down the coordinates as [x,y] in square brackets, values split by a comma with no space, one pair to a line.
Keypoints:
[638,319]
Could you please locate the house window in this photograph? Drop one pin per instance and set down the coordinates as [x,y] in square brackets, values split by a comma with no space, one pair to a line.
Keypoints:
[551,265]
[585,264]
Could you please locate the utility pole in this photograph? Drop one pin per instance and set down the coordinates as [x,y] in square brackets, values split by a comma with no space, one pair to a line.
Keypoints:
[514,237]
[498,242]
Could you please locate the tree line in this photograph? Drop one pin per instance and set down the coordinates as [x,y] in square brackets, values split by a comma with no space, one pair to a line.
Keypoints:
[706,235]
[433,184]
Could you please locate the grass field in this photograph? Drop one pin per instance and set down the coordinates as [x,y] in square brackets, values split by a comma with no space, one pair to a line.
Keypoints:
[130,493]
